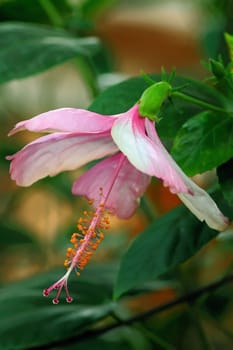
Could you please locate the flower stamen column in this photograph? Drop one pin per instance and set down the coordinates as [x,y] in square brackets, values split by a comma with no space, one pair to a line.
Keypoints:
[86,241]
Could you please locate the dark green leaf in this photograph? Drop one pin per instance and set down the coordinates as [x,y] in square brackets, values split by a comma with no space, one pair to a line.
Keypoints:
[129,91]
[204,142]
[218,303]
[122,338]
[225,175]
[100,344]
[27,49]
[169,241]
[28,11]
[28,319]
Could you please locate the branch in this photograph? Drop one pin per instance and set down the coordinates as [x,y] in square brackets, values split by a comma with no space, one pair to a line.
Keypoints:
[189,297]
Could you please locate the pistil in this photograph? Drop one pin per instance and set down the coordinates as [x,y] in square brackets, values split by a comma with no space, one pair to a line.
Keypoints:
[90,234]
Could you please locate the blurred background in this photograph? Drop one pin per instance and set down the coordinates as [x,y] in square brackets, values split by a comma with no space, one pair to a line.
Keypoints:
[136,36]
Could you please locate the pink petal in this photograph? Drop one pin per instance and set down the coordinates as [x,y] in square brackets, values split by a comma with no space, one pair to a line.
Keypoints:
[51,154]
[137,139]
[66,120]
[129,186]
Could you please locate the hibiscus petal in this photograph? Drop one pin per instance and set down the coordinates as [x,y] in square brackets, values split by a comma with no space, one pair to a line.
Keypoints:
[54,153]
[197,200]
[66,120]
[147,154]
[137,139]
[204,207]
[128,187]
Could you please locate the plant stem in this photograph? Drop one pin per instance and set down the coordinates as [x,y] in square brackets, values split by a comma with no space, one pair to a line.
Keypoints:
[88,74]
[147,209]
[198,102]
[193,312]
[85,65]
[52,13]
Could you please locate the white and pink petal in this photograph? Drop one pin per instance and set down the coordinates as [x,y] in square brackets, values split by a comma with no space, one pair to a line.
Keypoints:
[204,207]
[146,154]
[52,154]
[196,199]
[66,120]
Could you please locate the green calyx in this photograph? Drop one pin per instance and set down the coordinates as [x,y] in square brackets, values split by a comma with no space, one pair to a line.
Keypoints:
[152,99]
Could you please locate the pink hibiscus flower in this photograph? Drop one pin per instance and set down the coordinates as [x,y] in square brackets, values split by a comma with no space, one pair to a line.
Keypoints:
[135,153]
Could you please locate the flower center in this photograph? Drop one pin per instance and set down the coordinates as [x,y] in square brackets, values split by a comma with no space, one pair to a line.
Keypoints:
[87,239]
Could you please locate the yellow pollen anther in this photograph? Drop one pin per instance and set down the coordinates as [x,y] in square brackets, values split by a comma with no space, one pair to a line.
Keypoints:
[88,237]
[80,227]
[66,262]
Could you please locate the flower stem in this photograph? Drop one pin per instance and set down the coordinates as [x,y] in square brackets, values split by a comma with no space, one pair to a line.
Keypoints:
[193,312]
[52,13]
[198,102]
[114,176]
[98,213]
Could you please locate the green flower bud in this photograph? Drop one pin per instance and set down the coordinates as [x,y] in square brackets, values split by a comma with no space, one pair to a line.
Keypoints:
[152,99]
[217,68]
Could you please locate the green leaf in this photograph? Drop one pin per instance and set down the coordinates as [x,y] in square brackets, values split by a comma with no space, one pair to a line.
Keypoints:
[129,91]
[204,142]
[28,11]
[120,97]
[24,310]
[225,175]
[169,241]
[101,344]
[123,338]
[27,49]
